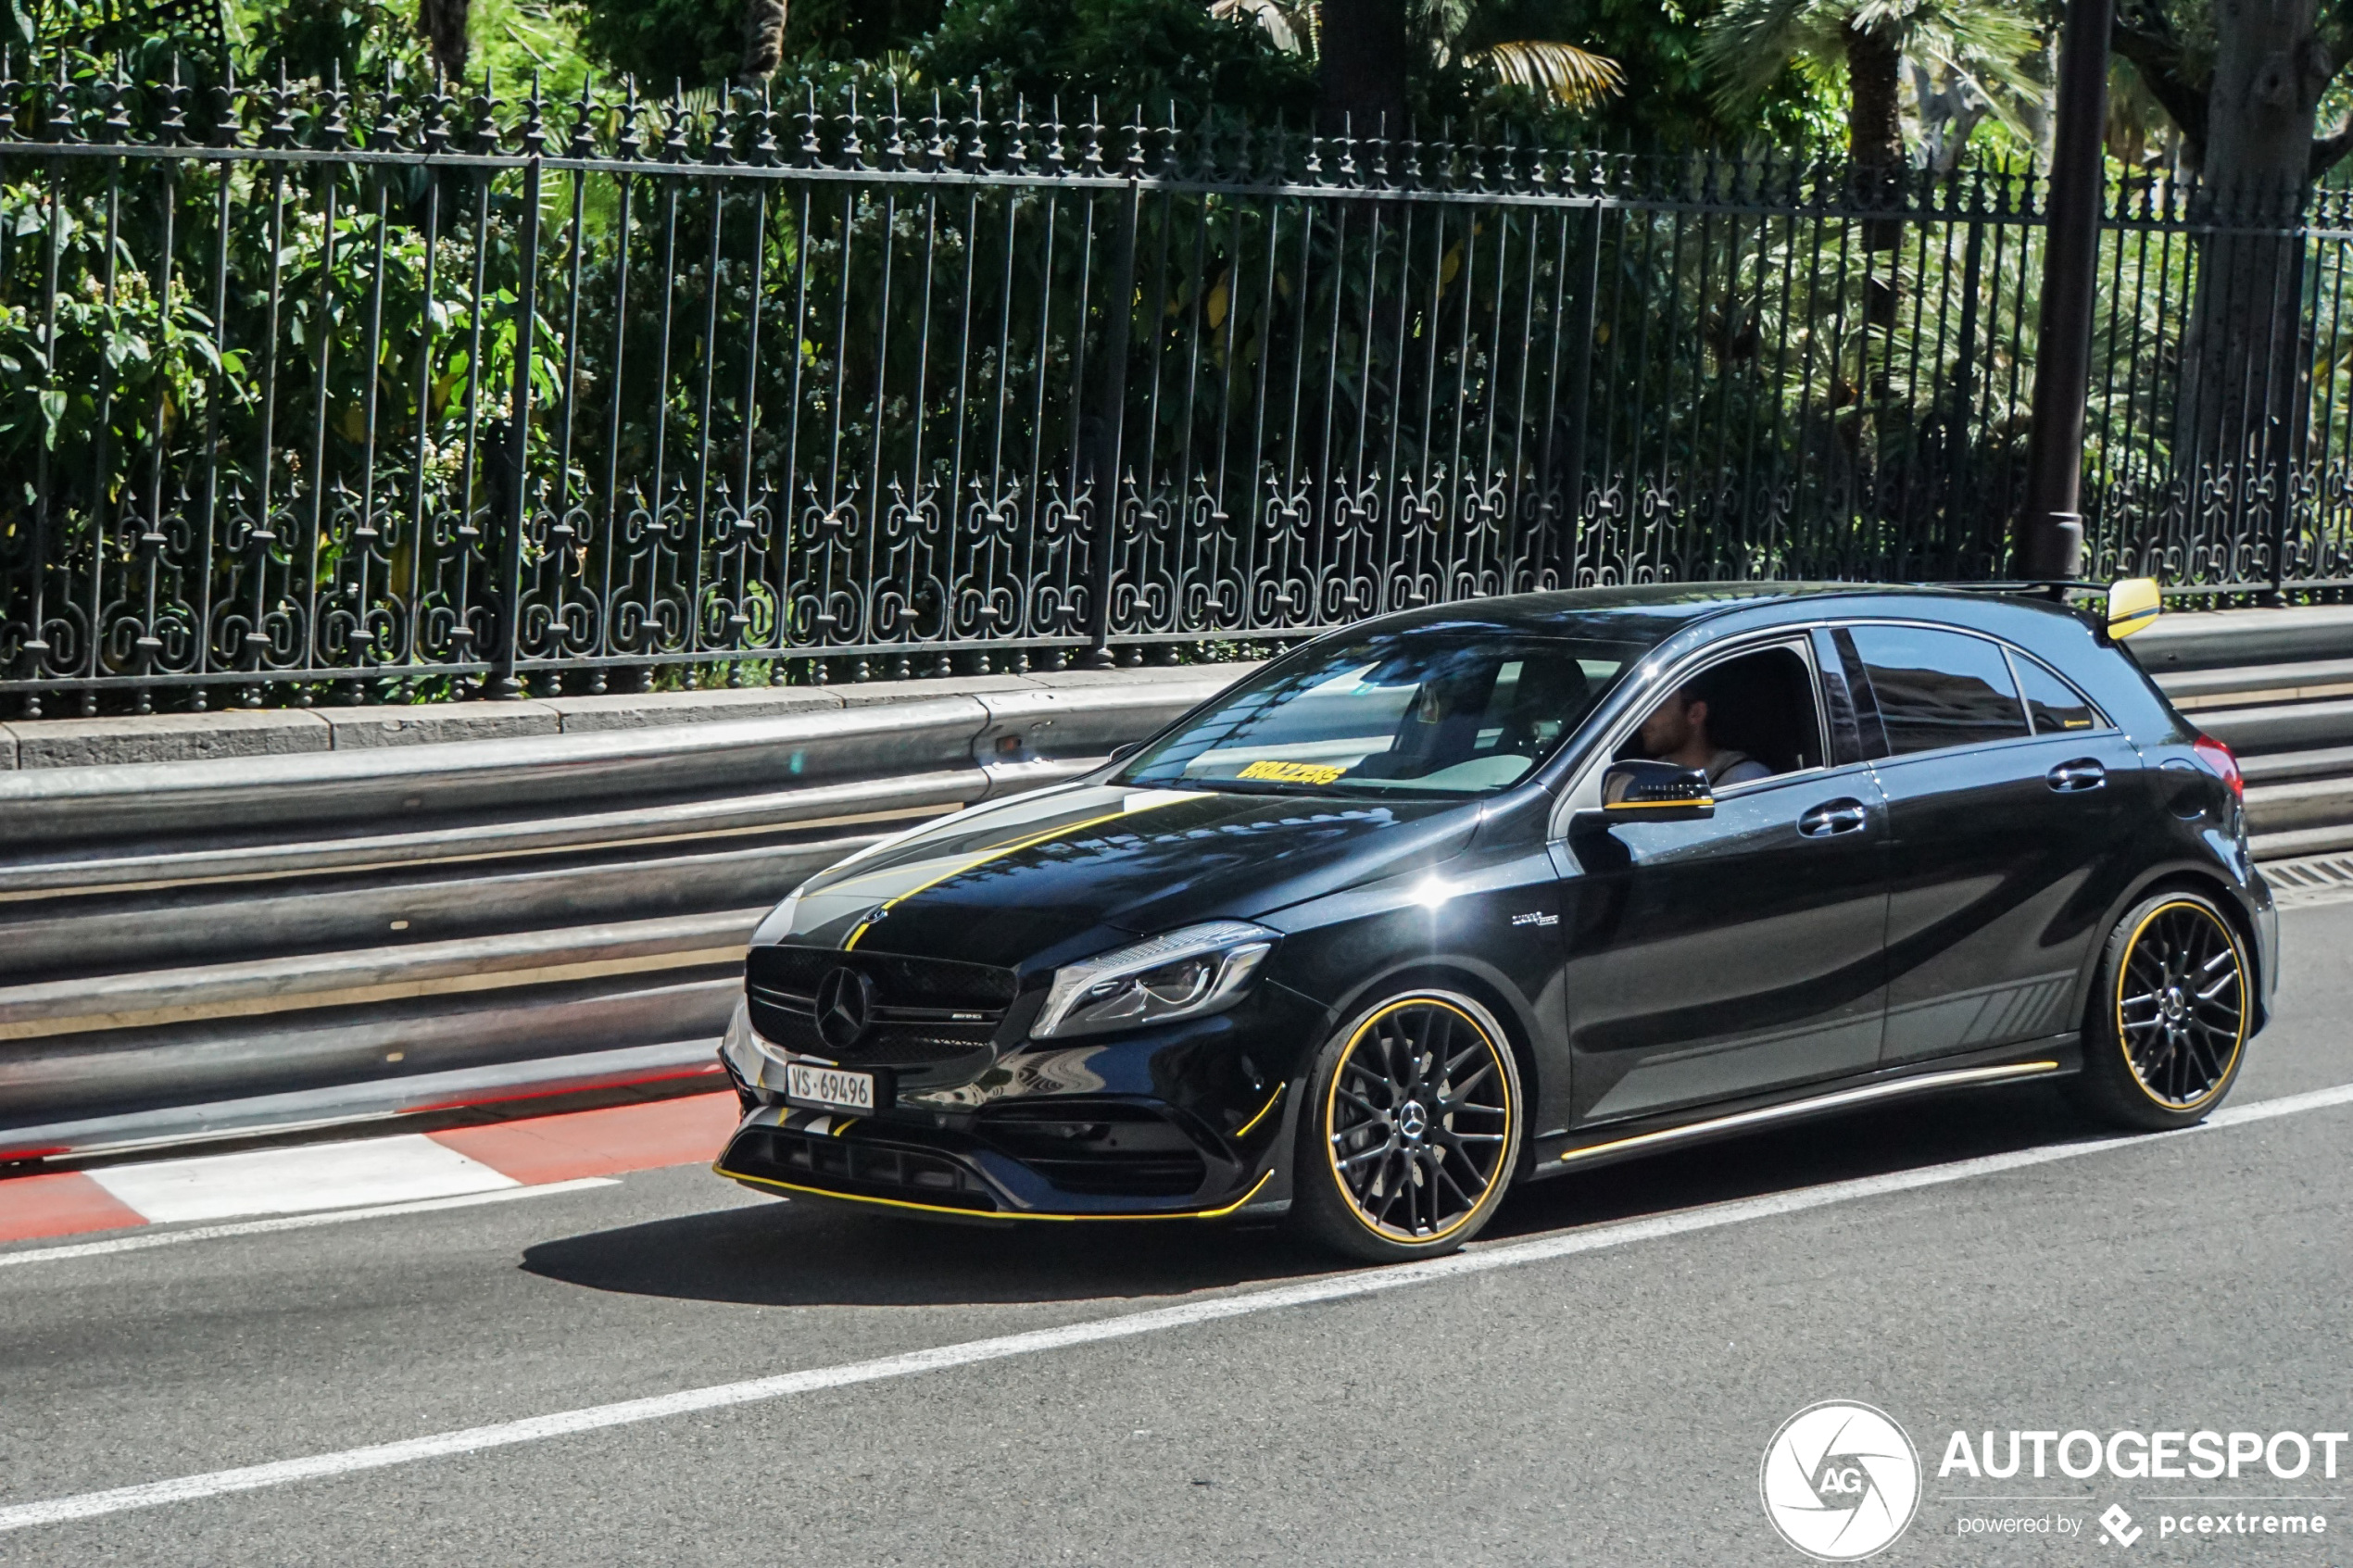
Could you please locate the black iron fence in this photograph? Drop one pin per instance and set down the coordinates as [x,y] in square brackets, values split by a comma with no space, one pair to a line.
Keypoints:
[371,393]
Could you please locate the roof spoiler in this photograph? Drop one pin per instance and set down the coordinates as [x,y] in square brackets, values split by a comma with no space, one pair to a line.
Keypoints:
[2132,603]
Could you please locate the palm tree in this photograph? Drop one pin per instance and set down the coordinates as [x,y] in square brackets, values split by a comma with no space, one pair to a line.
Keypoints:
[1981,46]
[1374,37]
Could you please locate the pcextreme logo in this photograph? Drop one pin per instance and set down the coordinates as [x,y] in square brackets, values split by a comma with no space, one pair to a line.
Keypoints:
[1840,1480]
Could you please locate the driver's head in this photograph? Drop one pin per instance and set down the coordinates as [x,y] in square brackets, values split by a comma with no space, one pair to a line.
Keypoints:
[1678,723]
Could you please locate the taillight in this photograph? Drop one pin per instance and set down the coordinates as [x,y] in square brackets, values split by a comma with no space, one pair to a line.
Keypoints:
[2224,762]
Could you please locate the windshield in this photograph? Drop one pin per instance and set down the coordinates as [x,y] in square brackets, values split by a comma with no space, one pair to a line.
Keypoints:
[1407,713]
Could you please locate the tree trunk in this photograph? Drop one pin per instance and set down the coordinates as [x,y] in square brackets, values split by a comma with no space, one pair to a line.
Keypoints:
[763,39]
[443,23]
[2240,422]
[1363,66]
[1874,134]
[1874,131]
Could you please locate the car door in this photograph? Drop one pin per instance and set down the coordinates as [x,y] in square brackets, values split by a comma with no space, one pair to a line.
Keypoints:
[1711,959]
[2005,814]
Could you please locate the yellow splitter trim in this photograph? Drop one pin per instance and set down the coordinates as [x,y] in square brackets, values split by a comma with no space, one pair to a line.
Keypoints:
[990,1214]
[1243,1131]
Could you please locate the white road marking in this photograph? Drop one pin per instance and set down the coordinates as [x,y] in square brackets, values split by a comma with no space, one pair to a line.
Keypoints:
[291,1181]
[1483,1260]
[140,1241]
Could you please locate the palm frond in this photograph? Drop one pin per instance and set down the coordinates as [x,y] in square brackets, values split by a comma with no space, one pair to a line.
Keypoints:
[1748,43]
[1578,78]
[1289,28]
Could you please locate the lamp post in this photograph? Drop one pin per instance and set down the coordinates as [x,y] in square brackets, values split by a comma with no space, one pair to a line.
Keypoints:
[2049,541]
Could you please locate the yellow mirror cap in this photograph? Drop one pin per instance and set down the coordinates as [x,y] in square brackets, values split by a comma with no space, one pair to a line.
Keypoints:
[1636,807]
[2133,605]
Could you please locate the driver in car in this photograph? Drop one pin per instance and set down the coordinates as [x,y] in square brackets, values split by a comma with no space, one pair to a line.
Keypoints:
[1676,732]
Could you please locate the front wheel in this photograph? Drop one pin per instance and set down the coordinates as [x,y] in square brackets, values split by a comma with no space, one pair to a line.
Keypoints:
[1411,1130]
[2170,1017]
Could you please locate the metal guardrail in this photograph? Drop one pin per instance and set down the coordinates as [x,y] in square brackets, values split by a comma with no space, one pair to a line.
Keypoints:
[257,940]
[185,933]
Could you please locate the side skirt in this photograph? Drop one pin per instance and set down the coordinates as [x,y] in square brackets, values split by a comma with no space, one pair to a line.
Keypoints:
[2046,1059]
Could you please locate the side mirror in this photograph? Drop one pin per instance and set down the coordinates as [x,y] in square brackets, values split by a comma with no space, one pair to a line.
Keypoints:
[2132,606]
[1655,792]
[1123,752]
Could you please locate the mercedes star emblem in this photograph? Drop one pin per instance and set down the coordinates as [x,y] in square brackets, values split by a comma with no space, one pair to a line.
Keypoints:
[845,1007]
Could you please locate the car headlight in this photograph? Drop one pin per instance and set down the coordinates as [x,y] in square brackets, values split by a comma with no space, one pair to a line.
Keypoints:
[1201,969]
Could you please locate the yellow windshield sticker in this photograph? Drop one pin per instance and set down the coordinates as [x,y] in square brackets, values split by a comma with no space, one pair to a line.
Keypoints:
[1291,772]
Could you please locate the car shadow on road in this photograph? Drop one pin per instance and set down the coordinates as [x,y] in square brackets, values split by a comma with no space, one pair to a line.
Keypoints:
[809,1252]
[1933,1131]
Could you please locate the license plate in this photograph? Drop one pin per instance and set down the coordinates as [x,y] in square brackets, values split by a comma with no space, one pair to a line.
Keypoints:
[828,1088]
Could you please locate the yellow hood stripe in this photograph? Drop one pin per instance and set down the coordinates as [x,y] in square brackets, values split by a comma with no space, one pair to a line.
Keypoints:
[1134,804]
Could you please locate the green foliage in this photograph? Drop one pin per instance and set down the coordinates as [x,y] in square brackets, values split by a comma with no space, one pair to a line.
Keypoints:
[842,31]
[662,41]
[515,40]
[361,40]
[1670,96]
[1751,44]
[1127,53]
[701,43]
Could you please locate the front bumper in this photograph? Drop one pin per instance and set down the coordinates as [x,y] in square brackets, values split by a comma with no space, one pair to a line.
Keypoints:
[1189,1121]
[779,1148]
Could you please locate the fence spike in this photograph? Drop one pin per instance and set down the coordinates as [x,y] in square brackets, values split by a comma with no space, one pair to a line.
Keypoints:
[583,136]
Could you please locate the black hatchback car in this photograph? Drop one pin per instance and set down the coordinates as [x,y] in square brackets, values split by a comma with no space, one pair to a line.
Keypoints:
[1500,890]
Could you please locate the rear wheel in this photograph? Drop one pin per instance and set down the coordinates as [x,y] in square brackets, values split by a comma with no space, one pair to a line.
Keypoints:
[1411,1129]
[2169,1018]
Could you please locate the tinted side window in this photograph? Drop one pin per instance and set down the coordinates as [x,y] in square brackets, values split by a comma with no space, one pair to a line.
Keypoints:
[1937,689]
[2051,703]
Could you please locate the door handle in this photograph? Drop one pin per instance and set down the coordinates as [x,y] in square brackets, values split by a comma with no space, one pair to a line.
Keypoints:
[2073,778]
[1834,817]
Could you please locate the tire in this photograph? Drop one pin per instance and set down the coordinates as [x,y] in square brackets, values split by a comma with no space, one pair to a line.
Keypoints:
[2168,1016]
[1411,1130]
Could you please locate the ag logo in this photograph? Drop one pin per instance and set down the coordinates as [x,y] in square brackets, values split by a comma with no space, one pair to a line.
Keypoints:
[1840,1481]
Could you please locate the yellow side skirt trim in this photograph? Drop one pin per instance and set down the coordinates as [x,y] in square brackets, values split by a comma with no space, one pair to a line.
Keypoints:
[990,1214]
[1819,1102]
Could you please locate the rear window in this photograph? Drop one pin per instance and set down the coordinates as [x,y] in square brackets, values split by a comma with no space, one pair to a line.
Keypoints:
[1939,689]
[2053,706]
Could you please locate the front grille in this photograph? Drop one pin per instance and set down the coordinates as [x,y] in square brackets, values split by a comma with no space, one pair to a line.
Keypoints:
[927,1011]
[861,1168]
[938,983]
[886,1045]
[1097,1147]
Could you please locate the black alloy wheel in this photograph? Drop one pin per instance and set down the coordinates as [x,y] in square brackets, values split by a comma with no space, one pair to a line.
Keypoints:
[2171,1015]
[1416,1119]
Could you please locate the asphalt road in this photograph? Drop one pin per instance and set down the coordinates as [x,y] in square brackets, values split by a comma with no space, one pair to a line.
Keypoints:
[1609,1405]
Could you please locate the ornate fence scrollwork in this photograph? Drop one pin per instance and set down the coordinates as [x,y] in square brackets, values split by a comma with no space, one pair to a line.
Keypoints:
[352,389]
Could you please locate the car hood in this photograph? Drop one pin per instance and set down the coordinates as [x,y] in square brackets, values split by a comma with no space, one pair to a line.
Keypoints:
[1041,879]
